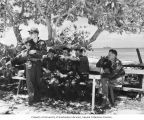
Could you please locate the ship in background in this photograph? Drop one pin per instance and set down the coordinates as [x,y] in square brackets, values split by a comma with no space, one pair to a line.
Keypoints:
[107,47]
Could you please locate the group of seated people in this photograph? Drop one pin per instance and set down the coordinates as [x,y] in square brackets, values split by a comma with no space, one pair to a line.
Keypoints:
[65,70]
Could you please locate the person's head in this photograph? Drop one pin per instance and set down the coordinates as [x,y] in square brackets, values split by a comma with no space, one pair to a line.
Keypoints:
[42,45]
[112,54]
[79,51]
[51,53]
[34,32]
[29,43]
[66,51]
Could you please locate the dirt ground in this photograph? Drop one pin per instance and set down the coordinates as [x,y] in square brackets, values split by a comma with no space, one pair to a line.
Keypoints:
[17,105]
[10,103]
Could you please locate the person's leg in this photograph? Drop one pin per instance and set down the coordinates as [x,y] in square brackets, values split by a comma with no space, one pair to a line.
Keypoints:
[112,85]
[38,87]
[29,81]
[105,92]
[111,89]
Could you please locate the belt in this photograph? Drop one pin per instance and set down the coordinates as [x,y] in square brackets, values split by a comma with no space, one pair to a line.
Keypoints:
[34,59]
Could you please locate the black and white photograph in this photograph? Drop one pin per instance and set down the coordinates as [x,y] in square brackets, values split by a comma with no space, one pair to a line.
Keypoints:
[71,58]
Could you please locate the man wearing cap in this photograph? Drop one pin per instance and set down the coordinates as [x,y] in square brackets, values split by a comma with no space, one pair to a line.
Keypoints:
[41,44]
[67,70]
[34,68]
[82,69]
[49,62]
[50,72]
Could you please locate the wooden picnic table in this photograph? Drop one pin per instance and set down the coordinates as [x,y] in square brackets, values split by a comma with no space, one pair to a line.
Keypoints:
[97,77]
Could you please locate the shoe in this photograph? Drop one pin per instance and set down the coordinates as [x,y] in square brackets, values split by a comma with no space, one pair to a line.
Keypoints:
[30,103]
[105,104]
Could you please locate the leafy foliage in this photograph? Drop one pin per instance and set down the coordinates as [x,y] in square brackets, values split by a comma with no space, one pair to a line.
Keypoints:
[115,15]
[110,15]
[74,36]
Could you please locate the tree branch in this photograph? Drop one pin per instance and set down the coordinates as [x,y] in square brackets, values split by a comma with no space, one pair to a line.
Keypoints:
[66,13]
[39,8]
[22,10]
[9,11]
[95,35]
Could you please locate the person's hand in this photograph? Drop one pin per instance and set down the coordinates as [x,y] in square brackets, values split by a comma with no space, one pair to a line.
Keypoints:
[63,75]
[47,71]
[44,56]
[8,63]
[62,57]
[32,51]
[101,71]
[70,73]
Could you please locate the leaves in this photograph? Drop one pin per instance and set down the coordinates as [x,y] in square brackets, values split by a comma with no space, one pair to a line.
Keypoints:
[111,15]
[75,36]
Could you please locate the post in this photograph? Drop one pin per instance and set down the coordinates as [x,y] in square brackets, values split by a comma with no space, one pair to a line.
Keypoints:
[19,85]
[139,56]
[140,60]
[93,95]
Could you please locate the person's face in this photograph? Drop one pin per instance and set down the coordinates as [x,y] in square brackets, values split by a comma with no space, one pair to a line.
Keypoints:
[50,55]
[65,52]
[77,53]
[111,56]
[34,36]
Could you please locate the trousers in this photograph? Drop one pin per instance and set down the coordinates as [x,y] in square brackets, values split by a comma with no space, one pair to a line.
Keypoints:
[33,80]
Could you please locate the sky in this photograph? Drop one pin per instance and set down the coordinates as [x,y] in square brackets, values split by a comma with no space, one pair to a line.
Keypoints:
[105,39]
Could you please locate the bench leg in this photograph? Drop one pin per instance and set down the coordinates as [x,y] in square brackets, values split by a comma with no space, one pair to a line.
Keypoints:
[19,87]
[93,95]
[139,96]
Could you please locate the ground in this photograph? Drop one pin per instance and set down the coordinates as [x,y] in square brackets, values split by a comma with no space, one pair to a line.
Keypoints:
[10,103]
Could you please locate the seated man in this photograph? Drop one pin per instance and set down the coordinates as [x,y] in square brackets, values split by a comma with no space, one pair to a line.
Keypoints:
[82,66]
[111,75]
[50,65]
[67,71]
[66,65]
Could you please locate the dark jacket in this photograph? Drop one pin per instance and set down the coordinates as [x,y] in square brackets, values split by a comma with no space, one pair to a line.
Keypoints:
[83,65]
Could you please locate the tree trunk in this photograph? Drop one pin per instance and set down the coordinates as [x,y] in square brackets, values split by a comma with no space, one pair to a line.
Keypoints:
[17,34]
[49,27]
[95,35]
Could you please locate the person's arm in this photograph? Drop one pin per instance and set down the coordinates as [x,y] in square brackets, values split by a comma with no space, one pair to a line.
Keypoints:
[44,66]
[87,64]
[19,59]
[119,71]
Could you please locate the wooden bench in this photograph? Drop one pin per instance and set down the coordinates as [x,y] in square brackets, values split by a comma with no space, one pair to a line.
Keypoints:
[131,89]
[21,80]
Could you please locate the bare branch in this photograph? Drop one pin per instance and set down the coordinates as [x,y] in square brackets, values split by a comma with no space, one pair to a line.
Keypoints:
[39,8]
[8,10]
[22,10]
[66,13]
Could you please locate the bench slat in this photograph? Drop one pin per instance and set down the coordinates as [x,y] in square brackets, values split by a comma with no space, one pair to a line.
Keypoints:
[133,89]
[129,71]
[94,76]
[18,78]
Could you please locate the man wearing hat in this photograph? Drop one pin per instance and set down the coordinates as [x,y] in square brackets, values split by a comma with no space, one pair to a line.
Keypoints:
[41,44]
[34,67]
